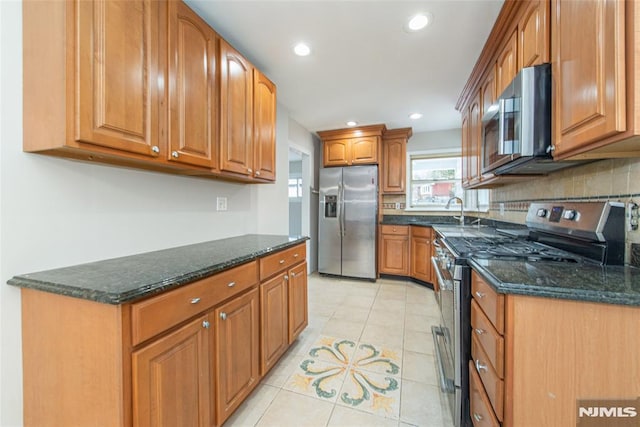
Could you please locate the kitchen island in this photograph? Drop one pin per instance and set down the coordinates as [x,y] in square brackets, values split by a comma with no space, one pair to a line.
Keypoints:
[122,341]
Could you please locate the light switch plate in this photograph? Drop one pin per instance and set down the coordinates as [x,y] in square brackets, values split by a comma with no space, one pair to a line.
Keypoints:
[221,203]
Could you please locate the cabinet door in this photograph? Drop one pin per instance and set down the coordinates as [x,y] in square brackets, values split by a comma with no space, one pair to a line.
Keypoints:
[421,258]
[236,103]
[274,314]
[588,70]
[394,252]
[171,378]
[264,127]
[117,72]
[394,165]
[298,312]
[192,88]
[506,65]
[475,140]
[336,152]
[533,31]
[237,344]
[364,150]
[466,154]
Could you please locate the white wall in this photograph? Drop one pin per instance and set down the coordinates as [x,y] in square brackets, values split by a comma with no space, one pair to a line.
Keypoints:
[437,140]
[56,212]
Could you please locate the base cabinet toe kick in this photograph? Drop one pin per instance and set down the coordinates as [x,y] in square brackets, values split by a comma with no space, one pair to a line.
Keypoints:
[187,356]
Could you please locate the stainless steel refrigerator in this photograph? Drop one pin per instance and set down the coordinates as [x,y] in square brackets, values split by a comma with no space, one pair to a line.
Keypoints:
[347,221]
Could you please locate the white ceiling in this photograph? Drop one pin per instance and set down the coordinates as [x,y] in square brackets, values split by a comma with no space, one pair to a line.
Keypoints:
[363,65]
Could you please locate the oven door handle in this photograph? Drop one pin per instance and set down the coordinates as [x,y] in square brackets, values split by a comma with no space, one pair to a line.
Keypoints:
[446,384]
[441,280]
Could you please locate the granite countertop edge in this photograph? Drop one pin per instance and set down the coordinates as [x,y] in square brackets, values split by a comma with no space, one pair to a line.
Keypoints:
[168,283]
[587,295]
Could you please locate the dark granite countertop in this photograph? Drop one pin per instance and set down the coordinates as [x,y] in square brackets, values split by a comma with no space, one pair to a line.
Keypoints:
[422,220]
[581,282]
[125,279]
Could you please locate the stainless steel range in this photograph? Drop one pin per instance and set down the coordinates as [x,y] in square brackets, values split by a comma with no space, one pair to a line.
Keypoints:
[562,232]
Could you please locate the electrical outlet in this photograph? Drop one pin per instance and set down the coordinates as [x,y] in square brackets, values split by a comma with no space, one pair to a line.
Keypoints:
[221,203]
[397,205]
[501,209]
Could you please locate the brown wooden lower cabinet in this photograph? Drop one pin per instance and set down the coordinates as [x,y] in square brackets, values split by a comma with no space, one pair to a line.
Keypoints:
[274,312]
[406,251]
[186,357]
[298,313]
[237,350]
[555,352]
[162,379]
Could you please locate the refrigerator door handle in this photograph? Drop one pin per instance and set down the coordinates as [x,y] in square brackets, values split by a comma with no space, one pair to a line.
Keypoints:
[341,201]
[339,209]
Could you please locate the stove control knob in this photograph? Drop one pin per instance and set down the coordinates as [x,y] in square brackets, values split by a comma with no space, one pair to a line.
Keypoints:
[570,215]
[541,213]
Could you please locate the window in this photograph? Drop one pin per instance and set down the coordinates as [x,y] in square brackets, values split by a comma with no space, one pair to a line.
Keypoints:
[295,187]
[434,180]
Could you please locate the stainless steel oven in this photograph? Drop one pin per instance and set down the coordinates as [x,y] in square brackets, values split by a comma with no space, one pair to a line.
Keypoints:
[452,336]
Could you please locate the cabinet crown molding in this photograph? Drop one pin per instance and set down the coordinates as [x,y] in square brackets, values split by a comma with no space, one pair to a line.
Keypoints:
[398,133]
[355,132]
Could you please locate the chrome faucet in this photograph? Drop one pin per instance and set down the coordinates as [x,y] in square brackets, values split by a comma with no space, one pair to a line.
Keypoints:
[459,200]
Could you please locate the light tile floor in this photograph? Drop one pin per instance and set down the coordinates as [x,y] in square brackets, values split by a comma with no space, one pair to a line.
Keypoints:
[366,359]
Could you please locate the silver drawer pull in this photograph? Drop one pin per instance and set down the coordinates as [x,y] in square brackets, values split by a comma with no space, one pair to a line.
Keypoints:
[232,284]
[480,294]
[479,331]
[295,255]
[286,277]
[477,416]
[195,300]
[480,366]
[223,315]
[205,324]
[293,274]
[281,261]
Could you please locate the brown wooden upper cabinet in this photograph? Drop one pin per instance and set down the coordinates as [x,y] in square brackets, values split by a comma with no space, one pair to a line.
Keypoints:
[167,115]
[353,146]
[394,160]
[264,127]
[236,97]
[193,106]
[507,63]
[533,34]
[594,46]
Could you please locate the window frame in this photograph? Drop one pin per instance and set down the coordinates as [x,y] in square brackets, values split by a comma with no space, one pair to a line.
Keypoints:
[474,200]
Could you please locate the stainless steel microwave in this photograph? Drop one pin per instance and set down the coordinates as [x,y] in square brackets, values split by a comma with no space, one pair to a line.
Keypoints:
[516,130]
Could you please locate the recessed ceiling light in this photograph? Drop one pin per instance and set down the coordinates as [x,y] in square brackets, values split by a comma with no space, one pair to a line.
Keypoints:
[415,116]
[351,123]
[302,49]
[418,22]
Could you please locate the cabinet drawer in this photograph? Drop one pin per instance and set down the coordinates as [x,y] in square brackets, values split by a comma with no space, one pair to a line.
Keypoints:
[492,303]
[282,260]
[481,413]
[155,315]
[491,341]
[400,230]
[421,232]
[493,385]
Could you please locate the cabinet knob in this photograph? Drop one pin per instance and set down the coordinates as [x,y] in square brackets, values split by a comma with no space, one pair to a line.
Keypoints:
[232,284]
[175,154]
[249,170]
[257,172]
[206,324]
[155,149]
[281,261]
[293,274]
[480,294]
[286,277]
[477,416]
[223,315]
[479,331]
[295,255]
[195,300]
[480,366]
